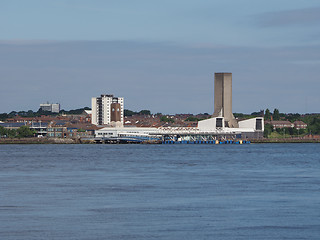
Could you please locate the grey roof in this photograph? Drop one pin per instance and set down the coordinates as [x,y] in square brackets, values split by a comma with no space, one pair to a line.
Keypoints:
[60,123]
[37,125]
[13,125]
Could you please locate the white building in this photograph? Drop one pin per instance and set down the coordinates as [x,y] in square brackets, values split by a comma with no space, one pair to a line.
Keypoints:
[109,132]
[107,110]
[213,127]
[252,128]
[50,107]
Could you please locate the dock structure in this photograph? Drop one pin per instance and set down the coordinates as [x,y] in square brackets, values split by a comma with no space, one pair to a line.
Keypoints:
[196,136]
[127,135]
[193,134]
[127,140]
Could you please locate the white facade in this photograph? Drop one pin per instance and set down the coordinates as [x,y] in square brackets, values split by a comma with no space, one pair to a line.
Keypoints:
[254,123]
[50,107]
[211,124]
[101,110]
[55,107]
[216,125]
[94,111]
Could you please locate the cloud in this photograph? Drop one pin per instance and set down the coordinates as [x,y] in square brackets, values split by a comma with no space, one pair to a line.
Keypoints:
[160,76]
[305,16]
[26,42]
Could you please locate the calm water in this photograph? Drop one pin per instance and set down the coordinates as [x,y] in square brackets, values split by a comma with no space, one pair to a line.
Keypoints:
[267,191]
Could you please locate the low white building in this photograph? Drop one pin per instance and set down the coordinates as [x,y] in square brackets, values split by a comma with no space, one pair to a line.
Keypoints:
[250,128]
[257,124]
[211,124]
[217,124]
[121,131]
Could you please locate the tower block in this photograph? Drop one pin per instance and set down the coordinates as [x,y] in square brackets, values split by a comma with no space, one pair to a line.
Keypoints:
[223,99]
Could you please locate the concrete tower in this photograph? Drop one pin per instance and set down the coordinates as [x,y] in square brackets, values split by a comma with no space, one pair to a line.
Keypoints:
[223,99]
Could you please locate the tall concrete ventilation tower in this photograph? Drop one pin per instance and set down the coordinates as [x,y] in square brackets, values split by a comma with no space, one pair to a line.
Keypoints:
[223,99]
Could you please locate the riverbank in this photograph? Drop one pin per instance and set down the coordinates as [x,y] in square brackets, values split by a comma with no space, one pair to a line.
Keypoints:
[79,141]
[43,141]
[285,140]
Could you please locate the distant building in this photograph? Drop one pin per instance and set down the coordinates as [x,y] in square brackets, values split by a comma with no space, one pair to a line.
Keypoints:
[50,107]
[300,125]
[281,124]
[56,131]
[107,110]
[13,125]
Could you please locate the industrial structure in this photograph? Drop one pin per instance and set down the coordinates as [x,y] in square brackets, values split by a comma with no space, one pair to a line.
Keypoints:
[107,110]
[223,99]
[221,127]
[50,107]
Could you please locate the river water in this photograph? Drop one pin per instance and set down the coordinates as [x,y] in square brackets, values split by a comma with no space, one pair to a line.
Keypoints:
[257,191]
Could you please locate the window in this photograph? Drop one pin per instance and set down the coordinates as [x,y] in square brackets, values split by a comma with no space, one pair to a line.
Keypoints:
[258,124]
[218,122]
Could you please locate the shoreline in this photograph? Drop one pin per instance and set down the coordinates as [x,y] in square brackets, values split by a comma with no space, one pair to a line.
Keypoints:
[285,140]
[79,141]
[43,141]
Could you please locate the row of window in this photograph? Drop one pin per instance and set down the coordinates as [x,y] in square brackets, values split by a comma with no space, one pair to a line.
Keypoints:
[57,134]
[105,133]
[55,129]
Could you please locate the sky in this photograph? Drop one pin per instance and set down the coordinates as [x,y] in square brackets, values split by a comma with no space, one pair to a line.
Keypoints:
[160,55]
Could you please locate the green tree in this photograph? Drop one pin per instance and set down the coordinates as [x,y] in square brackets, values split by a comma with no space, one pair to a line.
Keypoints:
[292,117]
[129,113]
[12,114]
[268,129]
[3,116]
[11,133]
[314,125]
[301,131]
[145,112]
[46,113]
[192,119]
[267,114]
[290,131]
[166,119]
[3,131]
[279,130]
[257,114]
[25,131]
[276,114]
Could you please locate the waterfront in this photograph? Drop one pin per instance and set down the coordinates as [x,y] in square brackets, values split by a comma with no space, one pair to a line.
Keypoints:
[257,191]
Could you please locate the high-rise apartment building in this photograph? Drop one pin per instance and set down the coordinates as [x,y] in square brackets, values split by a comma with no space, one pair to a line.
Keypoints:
[107,110]
[50,107]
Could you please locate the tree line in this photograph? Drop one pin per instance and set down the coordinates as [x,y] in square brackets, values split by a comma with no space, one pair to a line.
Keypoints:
[21,132]
[40,112]
[312,120]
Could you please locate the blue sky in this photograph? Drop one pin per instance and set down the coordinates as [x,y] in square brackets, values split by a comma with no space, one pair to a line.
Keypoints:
[160,55]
